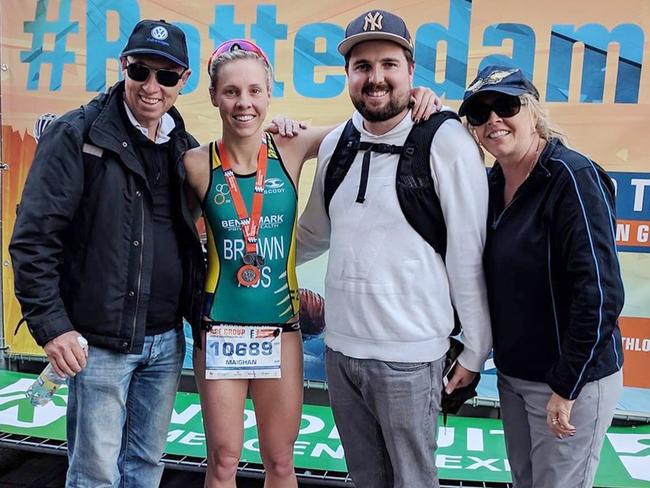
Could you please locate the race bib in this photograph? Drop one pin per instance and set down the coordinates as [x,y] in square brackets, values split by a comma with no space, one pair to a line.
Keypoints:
[240,352]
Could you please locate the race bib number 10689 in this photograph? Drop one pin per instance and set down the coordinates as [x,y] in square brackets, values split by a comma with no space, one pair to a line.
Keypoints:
[235,352]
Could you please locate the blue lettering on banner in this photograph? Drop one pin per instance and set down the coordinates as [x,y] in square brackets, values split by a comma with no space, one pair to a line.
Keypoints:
[315,48]
[307,58]
[37,56]
[596,39]
[265,32]
[104,50]
[632,195]
[523,46]
[456,37]
[224,26]
[632,211]
[193,37]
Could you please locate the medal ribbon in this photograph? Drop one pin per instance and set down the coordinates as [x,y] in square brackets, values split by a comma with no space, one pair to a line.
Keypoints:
[250,226]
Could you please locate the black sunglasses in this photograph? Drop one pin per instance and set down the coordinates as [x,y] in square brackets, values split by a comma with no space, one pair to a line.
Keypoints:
[165,77]
[504,106]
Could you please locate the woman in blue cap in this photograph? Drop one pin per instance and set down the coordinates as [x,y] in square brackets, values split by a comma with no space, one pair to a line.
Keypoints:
[554,285]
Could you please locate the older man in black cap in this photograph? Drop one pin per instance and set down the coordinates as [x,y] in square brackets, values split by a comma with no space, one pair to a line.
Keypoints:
[104,247]
[402,208]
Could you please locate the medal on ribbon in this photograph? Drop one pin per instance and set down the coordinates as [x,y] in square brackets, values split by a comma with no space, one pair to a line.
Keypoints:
[248,275]
[250,272]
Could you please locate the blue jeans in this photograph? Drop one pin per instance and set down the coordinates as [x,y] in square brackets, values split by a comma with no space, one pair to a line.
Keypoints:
[119,408]
[386,414]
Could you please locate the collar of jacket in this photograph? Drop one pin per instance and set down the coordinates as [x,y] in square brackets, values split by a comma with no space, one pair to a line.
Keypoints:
[109,131]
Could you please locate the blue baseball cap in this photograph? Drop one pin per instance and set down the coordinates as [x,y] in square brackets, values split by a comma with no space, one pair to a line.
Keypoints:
[376,25]
[501,79]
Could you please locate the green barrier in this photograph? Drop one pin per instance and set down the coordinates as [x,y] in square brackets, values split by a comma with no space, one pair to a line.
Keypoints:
[469,449]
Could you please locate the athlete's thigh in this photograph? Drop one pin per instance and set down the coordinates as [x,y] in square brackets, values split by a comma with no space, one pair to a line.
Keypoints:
[222,405]
[278,402]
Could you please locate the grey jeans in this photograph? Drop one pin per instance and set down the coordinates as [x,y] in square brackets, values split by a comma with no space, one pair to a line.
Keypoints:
[386,414]
[537,458]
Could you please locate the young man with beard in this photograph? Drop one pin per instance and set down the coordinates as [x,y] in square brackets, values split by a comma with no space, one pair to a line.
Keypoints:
[390,297]
[105,247]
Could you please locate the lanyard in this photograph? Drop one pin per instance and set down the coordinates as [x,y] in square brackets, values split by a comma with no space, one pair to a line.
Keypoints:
[250,226]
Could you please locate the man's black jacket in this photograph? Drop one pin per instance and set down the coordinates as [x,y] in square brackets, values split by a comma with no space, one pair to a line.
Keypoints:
[82,247]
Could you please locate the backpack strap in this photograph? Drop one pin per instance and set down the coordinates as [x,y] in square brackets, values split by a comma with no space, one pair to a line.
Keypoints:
[416,192]
[346,150]
[340,162]
[414,183]
[369,148]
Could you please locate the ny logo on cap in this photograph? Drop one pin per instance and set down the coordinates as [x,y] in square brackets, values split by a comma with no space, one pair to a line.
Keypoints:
[492,79]
[159,32]
[373,22]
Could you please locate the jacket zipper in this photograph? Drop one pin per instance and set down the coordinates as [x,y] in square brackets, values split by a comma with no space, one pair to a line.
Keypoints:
[500,217]
[137,300]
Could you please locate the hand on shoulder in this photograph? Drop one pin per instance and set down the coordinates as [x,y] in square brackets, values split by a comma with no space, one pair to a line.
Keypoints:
[424,103]
[285,126]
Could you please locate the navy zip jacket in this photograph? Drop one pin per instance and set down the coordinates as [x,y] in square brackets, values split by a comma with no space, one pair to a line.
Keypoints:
[82,247]
[554,282]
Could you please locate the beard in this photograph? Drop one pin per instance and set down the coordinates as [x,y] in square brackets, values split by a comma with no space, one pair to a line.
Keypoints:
[396,103]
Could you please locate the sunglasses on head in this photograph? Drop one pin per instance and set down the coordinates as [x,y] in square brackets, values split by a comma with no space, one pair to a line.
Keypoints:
[236,45]
[504,106]
[165,77]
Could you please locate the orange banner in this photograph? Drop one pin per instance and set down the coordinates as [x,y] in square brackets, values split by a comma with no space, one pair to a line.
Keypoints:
[636,347]
[633,233]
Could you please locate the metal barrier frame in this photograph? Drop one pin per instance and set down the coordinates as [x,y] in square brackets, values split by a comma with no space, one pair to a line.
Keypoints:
[246,470]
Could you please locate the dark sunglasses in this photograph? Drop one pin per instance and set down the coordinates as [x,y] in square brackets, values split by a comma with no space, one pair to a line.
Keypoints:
[504,106]
[165,77]
[237,45]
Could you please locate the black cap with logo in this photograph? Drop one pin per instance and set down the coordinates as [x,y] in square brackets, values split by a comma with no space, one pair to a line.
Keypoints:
[376,25]
[158,38]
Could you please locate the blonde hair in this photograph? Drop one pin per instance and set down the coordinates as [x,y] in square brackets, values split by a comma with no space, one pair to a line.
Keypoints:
[543,126]
[235,55]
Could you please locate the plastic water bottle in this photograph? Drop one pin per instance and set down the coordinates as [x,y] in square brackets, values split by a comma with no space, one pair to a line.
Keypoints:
[48,382]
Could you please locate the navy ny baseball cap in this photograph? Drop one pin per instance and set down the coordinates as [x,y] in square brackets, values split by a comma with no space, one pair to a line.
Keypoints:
[158,38]
[501,79]
[376,25]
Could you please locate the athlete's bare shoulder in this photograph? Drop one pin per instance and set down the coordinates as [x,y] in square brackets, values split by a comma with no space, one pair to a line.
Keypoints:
[197,167]
[197,154]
